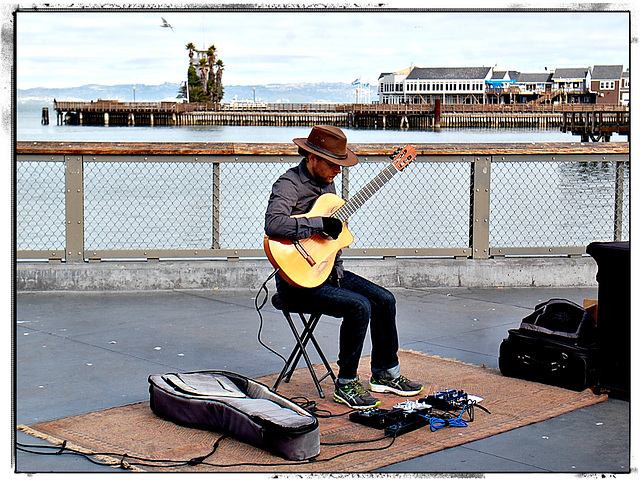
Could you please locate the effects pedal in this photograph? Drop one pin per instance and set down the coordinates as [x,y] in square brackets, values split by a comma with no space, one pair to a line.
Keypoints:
[404,417]
[405,426]
[374,417]
[411,417]
[447,400]
[411,406]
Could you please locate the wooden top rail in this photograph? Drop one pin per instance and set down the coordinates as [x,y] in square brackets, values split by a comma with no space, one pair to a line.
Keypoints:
[275,149]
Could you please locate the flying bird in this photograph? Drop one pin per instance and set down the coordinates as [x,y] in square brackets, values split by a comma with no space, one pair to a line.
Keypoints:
[166,24]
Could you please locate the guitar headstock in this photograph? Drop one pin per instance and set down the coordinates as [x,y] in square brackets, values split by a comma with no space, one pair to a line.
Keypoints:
[403,157]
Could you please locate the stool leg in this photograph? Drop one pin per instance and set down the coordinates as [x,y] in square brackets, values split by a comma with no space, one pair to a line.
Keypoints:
[293,352]
[324,359]
[303,350]
[300,349]
[307,334]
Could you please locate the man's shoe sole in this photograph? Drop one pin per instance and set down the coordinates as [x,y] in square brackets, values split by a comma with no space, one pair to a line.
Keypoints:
[384,389]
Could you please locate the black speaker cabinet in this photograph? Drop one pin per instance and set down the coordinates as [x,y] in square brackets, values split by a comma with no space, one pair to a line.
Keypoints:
[614,313]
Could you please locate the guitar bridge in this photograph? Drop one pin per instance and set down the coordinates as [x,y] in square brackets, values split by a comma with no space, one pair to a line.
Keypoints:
[304,253]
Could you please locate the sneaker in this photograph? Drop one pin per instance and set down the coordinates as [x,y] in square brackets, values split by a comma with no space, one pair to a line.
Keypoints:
[400,386]
[354,395]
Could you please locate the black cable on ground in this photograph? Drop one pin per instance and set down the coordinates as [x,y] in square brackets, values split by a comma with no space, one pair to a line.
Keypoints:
[168,463]
[264,288]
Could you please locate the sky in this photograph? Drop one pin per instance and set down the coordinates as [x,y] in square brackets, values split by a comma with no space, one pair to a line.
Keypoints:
[68,49]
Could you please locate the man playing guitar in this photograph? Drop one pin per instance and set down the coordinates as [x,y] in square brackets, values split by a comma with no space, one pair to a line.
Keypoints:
[291,215]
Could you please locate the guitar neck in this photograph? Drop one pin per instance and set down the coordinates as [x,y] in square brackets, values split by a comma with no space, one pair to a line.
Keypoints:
[354,203]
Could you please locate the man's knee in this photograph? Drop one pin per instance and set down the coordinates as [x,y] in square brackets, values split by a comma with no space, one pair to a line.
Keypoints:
[361,308]
[387,299]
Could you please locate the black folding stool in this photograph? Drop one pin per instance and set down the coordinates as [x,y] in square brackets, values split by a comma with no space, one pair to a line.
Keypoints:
[309,322]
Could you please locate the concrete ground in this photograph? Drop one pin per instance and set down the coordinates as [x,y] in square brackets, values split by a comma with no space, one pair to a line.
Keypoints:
[77,352]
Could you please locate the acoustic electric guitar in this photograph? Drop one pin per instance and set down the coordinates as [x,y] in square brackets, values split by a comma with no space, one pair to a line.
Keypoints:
[308,262]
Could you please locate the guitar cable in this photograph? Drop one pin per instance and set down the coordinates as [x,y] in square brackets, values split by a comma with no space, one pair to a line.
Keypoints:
[264,288]
[128,462]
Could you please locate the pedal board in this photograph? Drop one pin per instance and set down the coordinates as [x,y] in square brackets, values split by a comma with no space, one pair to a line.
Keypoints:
[404,417]
[410,415]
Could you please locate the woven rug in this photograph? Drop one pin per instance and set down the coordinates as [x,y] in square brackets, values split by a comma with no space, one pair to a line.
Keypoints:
[136,431]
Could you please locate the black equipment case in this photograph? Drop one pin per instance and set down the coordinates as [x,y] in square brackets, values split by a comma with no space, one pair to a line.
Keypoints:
[614,315]
[554,345]
[239,406]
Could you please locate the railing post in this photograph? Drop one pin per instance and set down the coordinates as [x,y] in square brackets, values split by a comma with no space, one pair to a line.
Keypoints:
[215,228]
[618,202]
[74,208]
[479,203]
[345,183]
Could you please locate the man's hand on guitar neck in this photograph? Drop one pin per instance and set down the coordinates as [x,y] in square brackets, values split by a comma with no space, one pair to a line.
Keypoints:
[331,227]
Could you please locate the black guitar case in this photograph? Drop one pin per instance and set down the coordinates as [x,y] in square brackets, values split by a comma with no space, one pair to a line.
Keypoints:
[239,406]
[554,345]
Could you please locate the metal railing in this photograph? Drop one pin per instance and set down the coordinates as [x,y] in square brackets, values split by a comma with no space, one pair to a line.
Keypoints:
[93,202]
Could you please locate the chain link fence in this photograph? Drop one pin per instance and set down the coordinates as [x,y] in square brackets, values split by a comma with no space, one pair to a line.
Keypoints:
[173,207]
[537,204]
[134,205]
[40,205]
[424,206]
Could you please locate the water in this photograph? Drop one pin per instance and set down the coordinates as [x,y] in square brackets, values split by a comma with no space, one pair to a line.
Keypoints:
[532,203]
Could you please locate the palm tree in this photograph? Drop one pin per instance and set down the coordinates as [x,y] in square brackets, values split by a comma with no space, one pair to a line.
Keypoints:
[219,91]
[204,73]
[211,61]
[211,57]
[205,79]
[193,84]
[191,47]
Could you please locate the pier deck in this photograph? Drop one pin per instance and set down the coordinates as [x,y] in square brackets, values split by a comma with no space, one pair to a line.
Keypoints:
[118,372]
[596,125]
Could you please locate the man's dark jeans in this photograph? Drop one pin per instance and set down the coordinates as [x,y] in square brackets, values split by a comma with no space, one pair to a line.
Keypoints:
[357,301]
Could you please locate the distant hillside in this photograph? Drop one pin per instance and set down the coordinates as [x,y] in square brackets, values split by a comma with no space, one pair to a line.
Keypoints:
[274,93]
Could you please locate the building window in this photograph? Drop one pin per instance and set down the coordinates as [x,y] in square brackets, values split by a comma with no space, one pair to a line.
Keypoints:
[607,85]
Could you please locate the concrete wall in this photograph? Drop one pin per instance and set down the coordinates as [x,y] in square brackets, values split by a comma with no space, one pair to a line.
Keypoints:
[251,273]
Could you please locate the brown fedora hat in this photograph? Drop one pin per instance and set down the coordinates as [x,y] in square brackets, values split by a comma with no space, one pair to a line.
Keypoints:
[330,143]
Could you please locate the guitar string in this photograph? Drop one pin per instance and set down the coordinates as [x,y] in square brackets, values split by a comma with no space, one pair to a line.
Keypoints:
[354,203]
[358,200]
[344,212]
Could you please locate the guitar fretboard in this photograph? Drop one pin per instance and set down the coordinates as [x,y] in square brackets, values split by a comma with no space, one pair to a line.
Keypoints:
[354,203]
